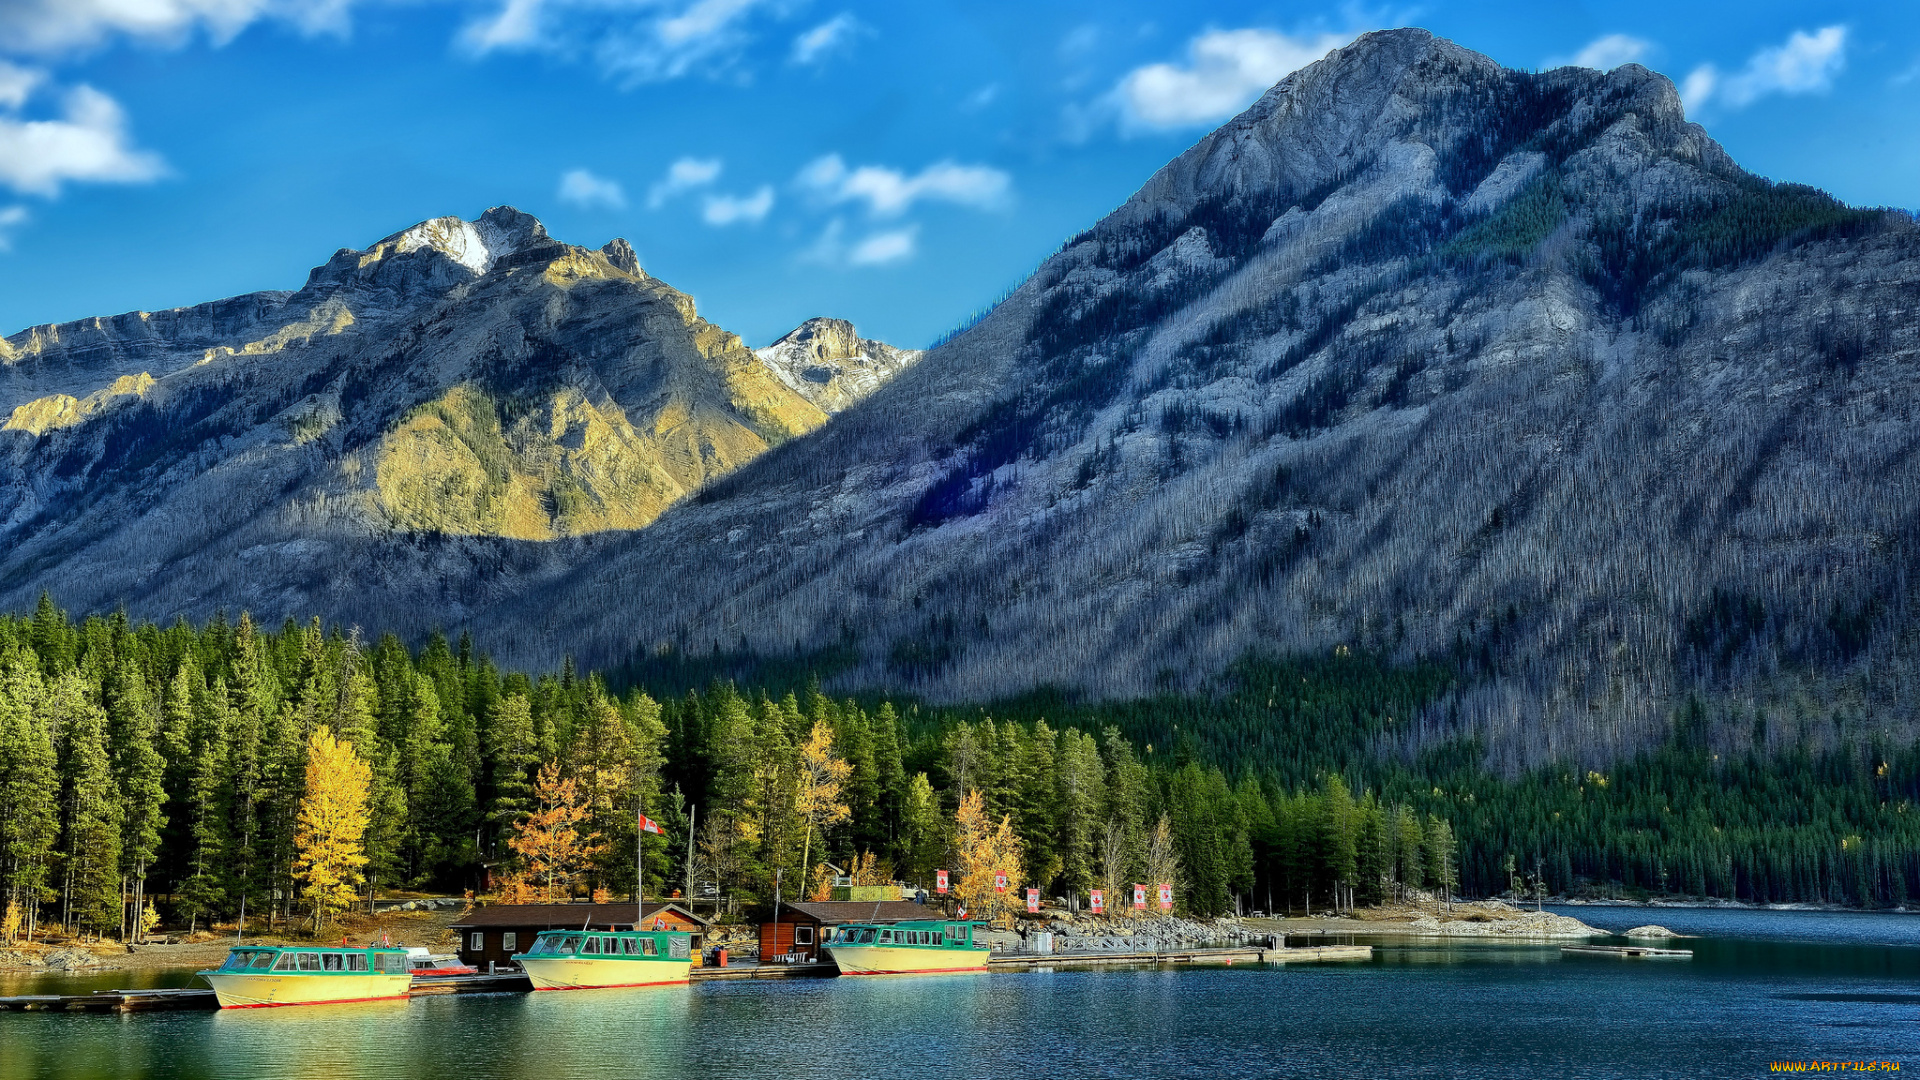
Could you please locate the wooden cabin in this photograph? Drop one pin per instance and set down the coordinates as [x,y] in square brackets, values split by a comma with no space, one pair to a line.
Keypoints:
[797,931]
[491,935]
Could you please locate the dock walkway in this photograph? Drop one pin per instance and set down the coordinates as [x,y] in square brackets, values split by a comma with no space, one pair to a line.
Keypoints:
[1250,955]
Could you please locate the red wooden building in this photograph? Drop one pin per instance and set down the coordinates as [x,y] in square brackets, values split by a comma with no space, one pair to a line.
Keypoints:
[797,932]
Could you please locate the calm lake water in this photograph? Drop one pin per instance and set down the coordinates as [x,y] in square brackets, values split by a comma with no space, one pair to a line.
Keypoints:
[1763,986]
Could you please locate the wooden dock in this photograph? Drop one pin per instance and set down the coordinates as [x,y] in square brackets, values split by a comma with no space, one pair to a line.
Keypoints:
[1229,957]
[1634,952]
[824,969]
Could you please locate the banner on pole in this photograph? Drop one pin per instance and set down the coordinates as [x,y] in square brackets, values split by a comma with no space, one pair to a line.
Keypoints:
[999,883]
[1140,897]
[1166,897]
[940,881]
[1033,901]
[647,824]
[1097,902]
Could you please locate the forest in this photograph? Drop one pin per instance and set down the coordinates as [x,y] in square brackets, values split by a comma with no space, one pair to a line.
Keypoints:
[159,774]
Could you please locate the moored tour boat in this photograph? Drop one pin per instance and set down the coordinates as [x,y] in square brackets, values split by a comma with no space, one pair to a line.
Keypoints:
[602,959]
[922,946]
[428,965]
[262,976]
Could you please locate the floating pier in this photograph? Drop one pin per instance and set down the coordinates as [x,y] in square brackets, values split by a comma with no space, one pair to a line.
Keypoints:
[1634,952]
[1306,954]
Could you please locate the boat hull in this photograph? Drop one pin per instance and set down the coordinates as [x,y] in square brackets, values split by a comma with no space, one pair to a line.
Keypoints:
[271,989]
[603,972]
[905,960]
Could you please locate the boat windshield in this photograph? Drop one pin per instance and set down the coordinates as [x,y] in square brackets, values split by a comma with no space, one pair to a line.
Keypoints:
[866,936]
[245,958]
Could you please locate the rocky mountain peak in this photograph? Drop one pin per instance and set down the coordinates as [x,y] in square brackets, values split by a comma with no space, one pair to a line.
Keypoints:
[827,362]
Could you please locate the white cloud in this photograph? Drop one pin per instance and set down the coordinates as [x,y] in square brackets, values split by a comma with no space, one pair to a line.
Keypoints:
[890,192]
[1805,64]
[830,37]
[729,209]
[56,25]
[874,249]
[585,190]
[1225,71]
[16,84]
[1605,53]
[11,218]
[636,41]
[89,145]
[1906,76]
[685,174]
[884,247]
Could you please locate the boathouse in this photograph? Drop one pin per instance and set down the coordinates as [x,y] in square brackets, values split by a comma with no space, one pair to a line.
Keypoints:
[492,934]
[797,933]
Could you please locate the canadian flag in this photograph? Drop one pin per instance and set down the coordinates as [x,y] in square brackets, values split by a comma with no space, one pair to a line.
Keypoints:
[1033,900]
[1140,897]
[1166,897]
[1097,902]
[1000,883]
[647,824]
[940,881]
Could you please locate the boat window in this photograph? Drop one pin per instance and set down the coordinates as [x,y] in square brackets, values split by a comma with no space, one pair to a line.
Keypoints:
[330,961]
[236,960]
[591,948]
[263,960]
[649,947]
[356,961]
[309,961]
[285,962]
[509,941]
[866,937]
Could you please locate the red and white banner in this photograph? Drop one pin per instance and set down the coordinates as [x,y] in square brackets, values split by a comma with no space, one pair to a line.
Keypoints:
[940,881]
[999,883]
[1140,897]
[1033,901]
[647,824]
[1166,897]
[1097,902]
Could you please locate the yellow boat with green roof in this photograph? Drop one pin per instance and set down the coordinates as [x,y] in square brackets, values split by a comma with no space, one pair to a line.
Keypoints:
[917,947]
[266,976]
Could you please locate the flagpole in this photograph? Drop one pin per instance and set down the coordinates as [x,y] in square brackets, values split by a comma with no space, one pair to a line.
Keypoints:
[639,870]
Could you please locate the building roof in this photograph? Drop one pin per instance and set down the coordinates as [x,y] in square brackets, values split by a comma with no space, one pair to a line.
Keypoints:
[836,912]
[568,916]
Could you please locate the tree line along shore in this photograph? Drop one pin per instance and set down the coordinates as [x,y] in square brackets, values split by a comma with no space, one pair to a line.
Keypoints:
[177,773]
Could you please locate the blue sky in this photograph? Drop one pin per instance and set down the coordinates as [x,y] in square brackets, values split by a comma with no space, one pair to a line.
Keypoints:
[896,164]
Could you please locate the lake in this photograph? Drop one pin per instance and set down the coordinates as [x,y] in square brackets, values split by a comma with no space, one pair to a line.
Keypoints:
[1764,986]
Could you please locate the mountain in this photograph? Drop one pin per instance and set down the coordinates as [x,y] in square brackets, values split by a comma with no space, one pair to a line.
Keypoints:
[456,397]
[1514,372]
[1517,372]
[829,364]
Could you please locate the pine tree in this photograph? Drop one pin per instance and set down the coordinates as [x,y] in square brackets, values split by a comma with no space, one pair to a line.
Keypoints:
[203,796]
[29,793]
[138,771]
[93,814]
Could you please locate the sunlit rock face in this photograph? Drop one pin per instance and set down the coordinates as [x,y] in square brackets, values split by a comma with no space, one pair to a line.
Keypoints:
[827,362]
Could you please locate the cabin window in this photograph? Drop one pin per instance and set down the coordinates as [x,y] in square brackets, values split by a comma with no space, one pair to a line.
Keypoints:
[356,961]
[263,960]
[509,941]
[309,961]
[331,961]
[284,962]
[591,948]
[237,960]
[478,942]
[866,937]
[649,947]
[803,935]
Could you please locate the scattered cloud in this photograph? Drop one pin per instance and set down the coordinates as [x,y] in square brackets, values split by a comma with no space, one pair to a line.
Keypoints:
[45,26]
[1605,53]
[1805,64]
[884,247]
[1907,76]
[1225,71]
[981,98]
[830,38]
[634,41]
[17,84]
[11,218]
[590,192]
[683,175]
[731,209]
[890,192]
[1080,40]
[87,144]
[874,249]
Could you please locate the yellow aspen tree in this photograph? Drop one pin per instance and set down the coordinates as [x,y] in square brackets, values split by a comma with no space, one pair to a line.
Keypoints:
[550,839]
[984,852]
[330,832]
[822,776]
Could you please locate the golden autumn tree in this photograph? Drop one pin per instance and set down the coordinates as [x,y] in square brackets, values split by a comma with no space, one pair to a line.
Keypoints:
[983,851]
[817,796]
[550,839]
[330,833]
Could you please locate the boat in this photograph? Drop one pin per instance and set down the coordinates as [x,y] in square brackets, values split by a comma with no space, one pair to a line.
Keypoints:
[264,976]
[602,959]
[426,965]
[904,948]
